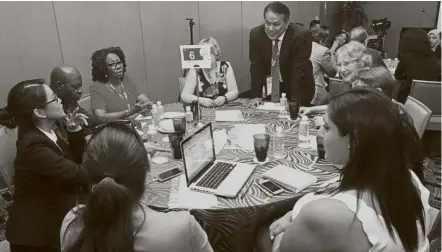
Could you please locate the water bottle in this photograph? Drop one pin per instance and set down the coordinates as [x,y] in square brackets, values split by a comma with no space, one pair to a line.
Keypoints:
[283,104]
[155,116]
[278,144]
[304,141]
[189,120]
[160,109]
[151,134]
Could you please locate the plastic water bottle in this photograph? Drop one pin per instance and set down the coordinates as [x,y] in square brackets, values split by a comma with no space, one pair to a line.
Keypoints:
[189,120]
[151,134]
[304,141]
[155,116]
[160,109]
[283,104]
[278,144]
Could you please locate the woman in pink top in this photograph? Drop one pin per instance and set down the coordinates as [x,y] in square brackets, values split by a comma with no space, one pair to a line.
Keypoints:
[114,219]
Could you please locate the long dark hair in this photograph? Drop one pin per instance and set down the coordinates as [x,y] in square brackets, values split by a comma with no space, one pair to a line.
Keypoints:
[23,98]
[378,160]
[116,164]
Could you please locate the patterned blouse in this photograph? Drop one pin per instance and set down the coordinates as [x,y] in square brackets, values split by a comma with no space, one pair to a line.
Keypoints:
[210,88]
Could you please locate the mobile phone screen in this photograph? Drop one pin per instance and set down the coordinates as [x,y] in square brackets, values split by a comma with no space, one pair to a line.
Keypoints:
[271,186]
[170,173]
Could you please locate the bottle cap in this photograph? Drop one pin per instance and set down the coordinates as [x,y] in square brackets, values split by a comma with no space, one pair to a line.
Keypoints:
[283,95]
[187,108]
[158,103]
[304,118]
[279,129]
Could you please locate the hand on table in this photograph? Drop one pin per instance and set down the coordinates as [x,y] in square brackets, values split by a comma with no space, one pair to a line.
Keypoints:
[206,102]
[303,111]
[219,101]
[255,102]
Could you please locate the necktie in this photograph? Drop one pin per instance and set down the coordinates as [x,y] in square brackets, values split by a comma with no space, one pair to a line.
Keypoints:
[275,72]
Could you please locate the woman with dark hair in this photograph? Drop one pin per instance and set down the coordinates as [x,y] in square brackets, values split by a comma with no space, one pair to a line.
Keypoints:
[47,178]
[417,62]
[111,99]
[328,60]
[380,204]
[114,219]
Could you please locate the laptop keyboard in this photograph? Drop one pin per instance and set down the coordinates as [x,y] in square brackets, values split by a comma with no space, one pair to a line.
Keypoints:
[216,175]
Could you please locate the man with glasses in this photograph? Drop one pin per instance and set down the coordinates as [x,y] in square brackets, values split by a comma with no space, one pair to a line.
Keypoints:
[279,53]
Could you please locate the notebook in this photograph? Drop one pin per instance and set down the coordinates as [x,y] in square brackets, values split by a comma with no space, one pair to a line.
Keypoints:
[290,178]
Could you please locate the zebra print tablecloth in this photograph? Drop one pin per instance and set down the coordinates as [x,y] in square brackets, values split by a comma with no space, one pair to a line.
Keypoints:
[230,225]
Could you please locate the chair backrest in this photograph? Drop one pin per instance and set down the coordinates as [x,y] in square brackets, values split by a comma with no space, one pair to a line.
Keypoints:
[336,86]
[419,113]
[8,151]
[428,92]
[85,102]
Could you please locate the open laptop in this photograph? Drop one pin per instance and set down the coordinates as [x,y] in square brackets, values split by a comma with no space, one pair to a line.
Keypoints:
[206,174]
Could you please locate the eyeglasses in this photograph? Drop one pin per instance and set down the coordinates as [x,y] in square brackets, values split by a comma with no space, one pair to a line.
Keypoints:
[97,129]
[51,101]
[115,64]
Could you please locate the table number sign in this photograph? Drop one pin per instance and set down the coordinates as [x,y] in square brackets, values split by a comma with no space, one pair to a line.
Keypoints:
[195,56]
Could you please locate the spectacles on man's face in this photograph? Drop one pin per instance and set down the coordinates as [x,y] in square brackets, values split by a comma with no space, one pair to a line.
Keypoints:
[115,64]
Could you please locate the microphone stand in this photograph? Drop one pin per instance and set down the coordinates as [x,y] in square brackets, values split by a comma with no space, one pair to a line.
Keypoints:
[191,24]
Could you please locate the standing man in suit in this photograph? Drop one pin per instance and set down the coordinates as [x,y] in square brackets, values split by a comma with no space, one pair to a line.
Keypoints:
[279,53]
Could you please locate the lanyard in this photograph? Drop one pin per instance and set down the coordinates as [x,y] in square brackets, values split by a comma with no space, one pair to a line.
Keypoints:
[123,96]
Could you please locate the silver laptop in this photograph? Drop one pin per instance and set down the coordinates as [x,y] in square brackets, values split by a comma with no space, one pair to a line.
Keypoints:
[206,174]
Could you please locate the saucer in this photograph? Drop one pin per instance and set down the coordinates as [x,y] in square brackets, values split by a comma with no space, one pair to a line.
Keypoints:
[261,163]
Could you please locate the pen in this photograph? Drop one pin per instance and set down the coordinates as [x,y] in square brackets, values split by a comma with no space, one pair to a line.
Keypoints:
[247,189]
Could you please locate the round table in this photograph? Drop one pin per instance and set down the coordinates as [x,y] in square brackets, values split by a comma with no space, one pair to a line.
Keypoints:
[231,224]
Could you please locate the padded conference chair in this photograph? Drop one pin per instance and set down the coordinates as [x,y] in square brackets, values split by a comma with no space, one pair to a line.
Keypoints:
[429,93]
[419,113]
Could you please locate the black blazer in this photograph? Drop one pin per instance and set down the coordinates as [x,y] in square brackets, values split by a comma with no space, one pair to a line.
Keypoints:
[47,181]
[295,66]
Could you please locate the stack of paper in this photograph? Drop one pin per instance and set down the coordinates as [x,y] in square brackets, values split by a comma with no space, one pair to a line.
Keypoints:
[188,199]
[228,116]
[270,106]
[241,135]
[290,178]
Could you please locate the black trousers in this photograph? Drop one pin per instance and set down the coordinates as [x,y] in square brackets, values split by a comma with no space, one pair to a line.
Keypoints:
[22,248]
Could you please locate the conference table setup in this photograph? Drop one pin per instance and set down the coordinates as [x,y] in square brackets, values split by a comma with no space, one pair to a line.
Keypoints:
[230,223]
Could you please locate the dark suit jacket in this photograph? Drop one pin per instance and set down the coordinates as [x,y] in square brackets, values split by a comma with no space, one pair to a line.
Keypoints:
[376,57]
[294,60]
[47,181]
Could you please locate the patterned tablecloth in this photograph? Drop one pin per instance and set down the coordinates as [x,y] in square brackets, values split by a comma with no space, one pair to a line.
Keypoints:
[230,225]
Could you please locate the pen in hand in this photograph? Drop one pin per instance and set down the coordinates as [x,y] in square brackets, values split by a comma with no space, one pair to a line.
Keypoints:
[247,189]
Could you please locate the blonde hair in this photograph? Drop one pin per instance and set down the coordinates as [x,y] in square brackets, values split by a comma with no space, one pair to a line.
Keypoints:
[215,49]
[355,51]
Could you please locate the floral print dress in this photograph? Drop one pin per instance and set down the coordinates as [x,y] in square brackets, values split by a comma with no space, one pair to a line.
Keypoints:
[210,88]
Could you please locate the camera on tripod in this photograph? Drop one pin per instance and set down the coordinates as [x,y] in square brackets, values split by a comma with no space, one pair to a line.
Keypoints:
[380,26]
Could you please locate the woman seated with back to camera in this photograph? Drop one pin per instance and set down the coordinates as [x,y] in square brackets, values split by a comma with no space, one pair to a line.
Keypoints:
[111,99]
[380,204]
[114,218]
[349,59]
[216,86]
[47,175]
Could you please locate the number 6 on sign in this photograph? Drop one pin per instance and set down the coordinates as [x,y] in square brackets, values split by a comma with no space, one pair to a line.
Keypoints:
[195,56]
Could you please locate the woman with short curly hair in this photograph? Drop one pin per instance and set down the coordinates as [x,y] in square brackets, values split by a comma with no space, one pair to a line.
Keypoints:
[111,99]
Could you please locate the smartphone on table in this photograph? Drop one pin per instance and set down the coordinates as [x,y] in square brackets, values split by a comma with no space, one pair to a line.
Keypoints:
[270,187]
[172,173]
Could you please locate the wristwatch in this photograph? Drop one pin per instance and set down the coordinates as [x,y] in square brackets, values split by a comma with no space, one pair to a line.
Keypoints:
[226,98]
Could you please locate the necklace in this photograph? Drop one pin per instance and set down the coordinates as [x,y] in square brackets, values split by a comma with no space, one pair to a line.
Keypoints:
[122,95]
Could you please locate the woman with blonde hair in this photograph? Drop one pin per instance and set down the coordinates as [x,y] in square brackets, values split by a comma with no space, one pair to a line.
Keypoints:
[349,59]
[216,86]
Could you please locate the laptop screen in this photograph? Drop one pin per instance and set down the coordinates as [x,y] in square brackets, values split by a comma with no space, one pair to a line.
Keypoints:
[198,151]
